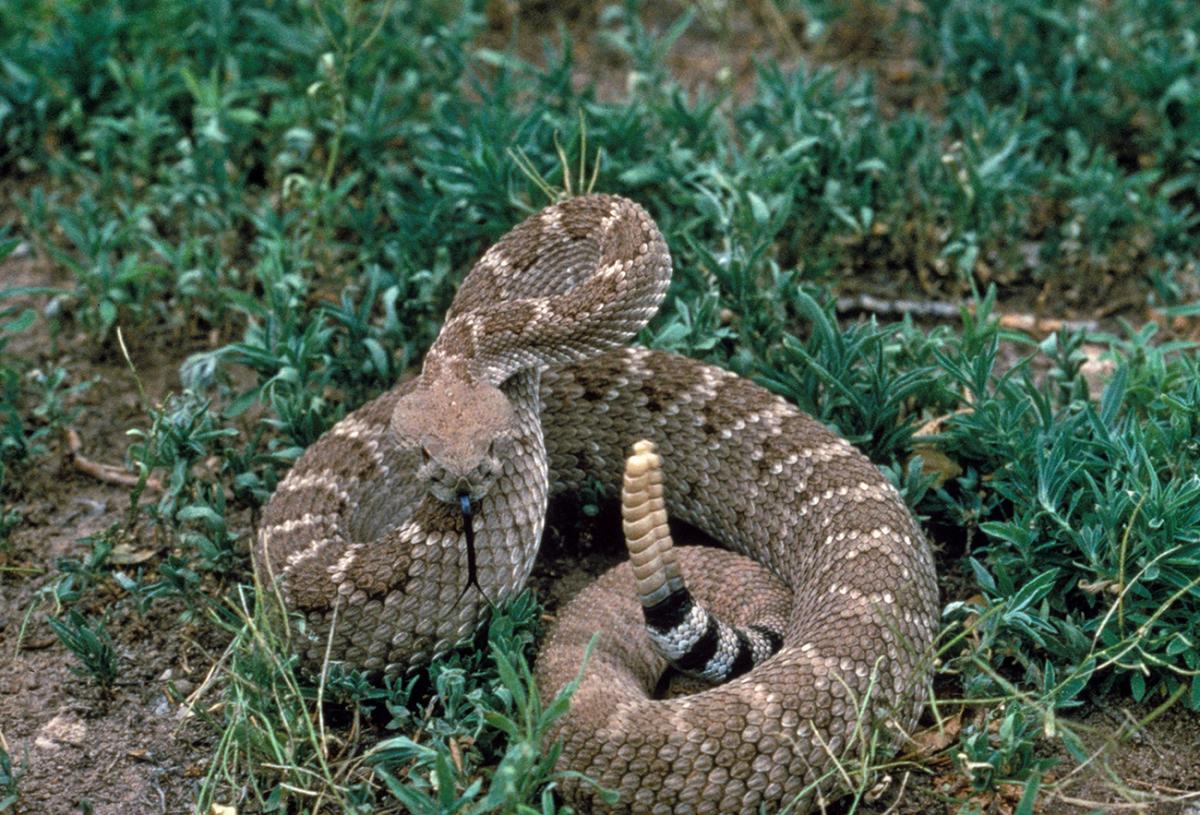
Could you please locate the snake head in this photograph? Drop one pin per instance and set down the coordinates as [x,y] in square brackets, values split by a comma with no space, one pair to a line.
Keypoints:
[464,432]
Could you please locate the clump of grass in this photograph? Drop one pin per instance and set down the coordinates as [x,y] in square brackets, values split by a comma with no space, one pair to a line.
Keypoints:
[89,641]
[17,440]
[272,746]
[1121,75]
[149,220]
[434,778]
[485,747]
[10,779]
[1090,514]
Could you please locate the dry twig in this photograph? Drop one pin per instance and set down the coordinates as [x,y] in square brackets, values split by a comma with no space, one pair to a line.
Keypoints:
[107,473]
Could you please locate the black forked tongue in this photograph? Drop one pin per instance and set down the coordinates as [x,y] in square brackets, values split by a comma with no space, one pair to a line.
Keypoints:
[468,512]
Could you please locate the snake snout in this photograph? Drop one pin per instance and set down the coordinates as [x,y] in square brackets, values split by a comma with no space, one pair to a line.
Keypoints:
[450,483]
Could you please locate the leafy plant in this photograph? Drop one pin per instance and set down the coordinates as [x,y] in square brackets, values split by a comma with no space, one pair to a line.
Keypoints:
[10,779]
[1001,748]
[431,781]
[91,645]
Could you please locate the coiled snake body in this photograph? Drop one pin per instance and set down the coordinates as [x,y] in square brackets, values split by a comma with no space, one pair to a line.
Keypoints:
[526,392]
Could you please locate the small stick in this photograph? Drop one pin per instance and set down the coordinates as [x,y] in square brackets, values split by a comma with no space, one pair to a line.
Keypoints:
[107,473]
[931,309]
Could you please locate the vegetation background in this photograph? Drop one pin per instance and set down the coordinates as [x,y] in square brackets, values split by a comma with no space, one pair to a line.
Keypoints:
[962,232]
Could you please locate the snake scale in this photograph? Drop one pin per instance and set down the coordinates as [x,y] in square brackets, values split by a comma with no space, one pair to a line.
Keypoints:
[528,391]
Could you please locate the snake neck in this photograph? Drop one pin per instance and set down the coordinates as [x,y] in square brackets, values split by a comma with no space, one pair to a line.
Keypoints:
[508,528]
[575,280]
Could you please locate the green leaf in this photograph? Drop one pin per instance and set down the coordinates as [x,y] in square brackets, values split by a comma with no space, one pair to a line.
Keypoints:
[1029,796]
[1075,683]
[983,577]
[1020,537]
[108,313]
[21,322]
[508,676]
[413,800]
[1074,746]
[502,723]
[1034,590]
[379,357]
[641,175]
[1137,685]
[871,165]
[200,512]
[762,215]
[1113,396]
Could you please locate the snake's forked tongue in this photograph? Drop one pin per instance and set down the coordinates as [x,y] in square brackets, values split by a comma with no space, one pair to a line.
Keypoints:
[468,512]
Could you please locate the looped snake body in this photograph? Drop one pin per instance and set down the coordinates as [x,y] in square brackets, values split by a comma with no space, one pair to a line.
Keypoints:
[527,391]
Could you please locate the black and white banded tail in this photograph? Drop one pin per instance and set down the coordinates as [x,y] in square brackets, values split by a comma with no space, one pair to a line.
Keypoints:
[692,639]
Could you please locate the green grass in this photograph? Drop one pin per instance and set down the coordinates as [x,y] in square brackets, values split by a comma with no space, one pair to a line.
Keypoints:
[470,731]
[290,192]
[10,779]
[18,441]
[92,646]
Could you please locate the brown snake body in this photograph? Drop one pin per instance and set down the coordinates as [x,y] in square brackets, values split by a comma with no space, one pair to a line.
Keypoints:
[526,392]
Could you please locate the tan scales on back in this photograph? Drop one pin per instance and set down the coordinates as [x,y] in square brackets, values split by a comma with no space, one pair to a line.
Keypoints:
[362,525]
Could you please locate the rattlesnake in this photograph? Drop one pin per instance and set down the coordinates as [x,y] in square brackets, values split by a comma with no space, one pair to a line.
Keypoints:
[527,391]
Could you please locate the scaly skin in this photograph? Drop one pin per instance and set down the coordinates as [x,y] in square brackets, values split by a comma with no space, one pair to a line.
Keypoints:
[361,531]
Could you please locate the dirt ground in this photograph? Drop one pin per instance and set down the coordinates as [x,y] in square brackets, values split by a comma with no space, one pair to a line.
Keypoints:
[137,751]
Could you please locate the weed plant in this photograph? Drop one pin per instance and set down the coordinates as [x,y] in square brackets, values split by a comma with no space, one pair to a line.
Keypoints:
[289,193]
[18,440]
[10,780]
[91,644]
[476,741]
